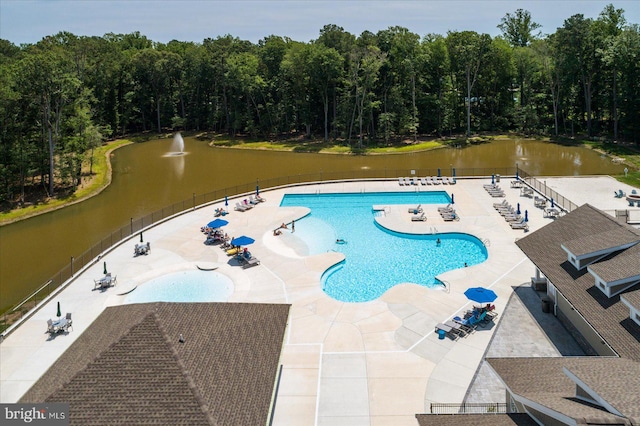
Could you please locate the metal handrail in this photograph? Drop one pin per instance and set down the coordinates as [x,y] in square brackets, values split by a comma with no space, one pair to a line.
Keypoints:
[198,201]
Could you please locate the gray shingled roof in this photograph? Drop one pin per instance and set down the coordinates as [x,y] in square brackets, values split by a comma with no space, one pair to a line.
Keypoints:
[633,298]
[619,267]
[542,380]
[128,367]
[608,316]
[607,240]
[475,420]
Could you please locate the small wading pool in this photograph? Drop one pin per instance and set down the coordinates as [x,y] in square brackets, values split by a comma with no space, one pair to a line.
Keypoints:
[376,258]
[185,286]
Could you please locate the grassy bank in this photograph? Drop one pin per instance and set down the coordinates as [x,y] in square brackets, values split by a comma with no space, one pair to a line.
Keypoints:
[92,185]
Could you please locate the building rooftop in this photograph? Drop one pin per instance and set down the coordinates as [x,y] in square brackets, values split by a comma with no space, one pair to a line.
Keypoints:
[130,365]
[515,419]
[614,382]
[608,316]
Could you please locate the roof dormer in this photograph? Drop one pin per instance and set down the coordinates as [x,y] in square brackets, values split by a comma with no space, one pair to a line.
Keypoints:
[583,251]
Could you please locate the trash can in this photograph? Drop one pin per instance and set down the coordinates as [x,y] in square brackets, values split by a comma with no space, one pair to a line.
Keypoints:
[546,305]
[441,334]
[497,178]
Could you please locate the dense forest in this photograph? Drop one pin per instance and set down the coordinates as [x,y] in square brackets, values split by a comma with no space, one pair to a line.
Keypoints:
[65,95]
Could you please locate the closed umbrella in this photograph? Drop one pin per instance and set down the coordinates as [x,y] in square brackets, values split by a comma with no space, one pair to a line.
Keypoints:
[59,313]
[480,294]
[518,209]
[452,200]
[257,189]
[105,268]
[141,238]
[526,215]
[226,200]
[217,223]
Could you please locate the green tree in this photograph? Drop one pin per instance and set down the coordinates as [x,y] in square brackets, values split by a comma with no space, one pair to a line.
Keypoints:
[518,28]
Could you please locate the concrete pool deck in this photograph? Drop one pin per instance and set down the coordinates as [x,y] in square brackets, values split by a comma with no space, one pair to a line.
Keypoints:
[373,363]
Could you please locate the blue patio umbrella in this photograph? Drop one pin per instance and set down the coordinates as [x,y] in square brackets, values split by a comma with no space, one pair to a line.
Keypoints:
[480,294]
[517,174]
[242,241]
[526,216]
[141,240]
[105,268]
[454,172]
[226,200]
[518,209]
[257,189]
[217,223]
[552,203]
[493,179]
[452,200]
[438,171]
[59,313]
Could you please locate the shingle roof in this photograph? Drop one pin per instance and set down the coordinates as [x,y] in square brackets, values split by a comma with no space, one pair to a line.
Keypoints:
[128,367]
[475,420]
[608,316]
[606,240]
[542,380]
[619,267]
[633,298]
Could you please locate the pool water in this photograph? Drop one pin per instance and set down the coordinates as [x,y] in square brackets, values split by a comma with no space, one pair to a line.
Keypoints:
[185,286]
[376,258]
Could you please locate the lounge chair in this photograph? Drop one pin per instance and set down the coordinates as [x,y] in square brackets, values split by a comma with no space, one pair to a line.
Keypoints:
[504,203]
[540,202]
[260,199]
[418,217]
[429,180]
[446,208]
[241,207]
[450,217]
[248,263]
[416,210]
[253,201]
[526,192]
[516,184]
[436,180]
[423,181]
[457,328]
[401,181]
[447,330]
[414,181]
[619,194]
[519,225]
[513,217]
[452,181]
[233,251]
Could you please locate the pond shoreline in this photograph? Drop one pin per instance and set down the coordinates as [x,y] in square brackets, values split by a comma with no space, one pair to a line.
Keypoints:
[19,214]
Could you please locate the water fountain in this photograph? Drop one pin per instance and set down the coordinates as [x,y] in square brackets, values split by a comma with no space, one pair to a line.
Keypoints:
[177,146]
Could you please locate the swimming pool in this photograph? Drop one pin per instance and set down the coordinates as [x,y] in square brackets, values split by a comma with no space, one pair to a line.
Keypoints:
[185,286]
[376,258]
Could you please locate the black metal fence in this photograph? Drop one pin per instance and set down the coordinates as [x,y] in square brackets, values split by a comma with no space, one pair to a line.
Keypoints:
[543,189]
[92,255]
[469,408]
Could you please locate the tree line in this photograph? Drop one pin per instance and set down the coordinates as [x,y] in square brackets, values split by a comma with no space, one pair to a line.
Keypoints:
[63,96]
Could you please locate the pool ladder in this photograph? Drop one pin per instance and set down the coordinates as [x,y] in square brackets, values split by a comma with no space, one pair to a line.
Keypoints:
[433,230]
[486,242]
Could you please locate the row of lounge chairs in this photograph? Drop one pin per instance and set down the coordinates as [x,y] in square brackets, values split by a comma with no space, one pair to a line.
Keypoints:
[429,180]
[462,327]
[448,213]
[494,190]
[249,203]
[511,215]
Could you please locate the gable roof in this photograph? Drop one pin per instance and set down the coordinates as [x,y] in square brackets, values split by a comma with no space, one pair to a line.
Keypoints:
[611,239]
[510,419]
[542,380]
[608,316]
[129,365]
[632,298]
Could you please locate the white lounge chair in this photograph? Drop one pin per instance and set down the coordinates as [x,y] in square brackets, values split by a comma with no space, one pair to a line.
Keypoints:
[241,207]
[429,180]
[423,181]
[401,181]
[519,225]
[418,217]
[436,180]
[416,210]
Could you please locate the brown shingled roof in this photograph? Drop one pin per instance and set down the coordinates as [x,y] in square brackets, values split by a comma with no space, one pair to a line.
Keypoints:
[633,298]
[543,381]
[619,267]
[475,420]
[608,316]
[601,241]
[128,367]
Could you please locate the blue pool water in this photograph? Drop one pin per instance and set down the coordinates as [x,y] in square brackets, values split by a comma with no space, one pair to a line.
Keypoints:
[376,258]
[185,286]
